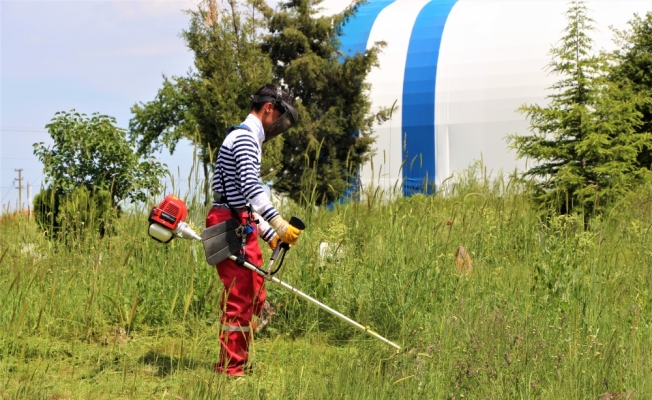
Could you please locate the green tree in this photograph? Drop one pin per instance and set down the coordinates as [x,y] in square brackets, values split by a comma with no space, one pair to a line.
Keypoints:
[94,153]
[232,61]
[229,67]
[633,71]
[89,169]
[584,143]
[76,213]
[335,123]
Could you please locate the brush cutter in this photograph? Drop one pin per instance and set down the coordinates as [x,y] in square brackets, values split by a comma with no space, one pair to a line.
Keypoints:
[168,220]
[222,241]
[315,302]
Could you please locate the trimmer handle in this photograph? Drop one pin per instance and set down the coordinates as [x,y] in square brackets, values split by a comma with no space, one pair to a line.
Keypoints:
[295,222]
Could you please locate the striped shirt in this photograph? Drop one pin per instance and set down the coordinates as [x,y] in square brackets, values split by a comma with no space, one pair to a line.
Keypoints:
[237,173]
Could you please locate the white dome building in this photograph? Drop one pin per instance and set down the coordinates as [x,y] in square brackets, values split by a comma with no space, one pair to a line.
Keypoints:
[457,71]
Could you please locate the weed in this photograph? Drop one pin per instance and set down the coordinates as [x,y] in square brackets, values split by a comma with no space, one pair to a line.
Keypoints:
[554,307]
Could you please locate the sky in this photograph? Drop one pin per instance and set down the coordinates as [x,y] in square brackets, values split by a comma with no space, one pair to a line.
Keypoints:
[91,56]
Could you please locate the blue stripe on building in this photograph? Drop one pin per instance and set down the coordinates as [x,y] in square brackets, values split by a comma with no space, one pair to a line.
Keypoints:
[355,35]
[419,97]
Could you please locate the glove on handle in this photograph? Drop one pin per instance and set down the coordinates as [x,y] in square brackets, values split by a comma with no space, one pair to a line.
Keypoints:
[286,231]
[295,222]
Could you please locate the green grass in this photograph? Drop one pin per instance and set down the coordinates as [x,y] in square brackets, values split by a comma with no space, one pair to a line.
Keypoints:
[551,310]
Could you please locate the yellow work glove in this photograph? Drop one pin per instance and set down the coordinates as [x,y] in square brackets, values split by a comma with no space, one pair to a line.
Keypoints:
[274,242]
[286,232]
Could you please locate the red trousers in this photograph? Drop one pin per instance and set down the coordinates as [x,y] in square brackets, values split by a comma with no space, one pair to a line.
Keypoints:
[242,298]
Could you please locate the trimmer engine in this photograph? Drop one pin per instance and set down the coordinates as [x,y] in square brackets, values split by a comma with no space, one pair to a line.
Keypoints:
[167,220]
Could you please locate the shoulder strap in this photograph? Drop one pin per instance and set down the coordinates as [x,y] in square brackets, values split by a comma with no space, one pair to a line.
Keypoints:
[236,127]
[231,129]
[225,199]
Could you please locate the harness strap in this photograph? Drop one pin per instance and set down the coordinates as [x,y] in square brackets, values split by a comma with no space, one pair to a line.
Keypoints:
[236,127]
[245,227]
[222,196]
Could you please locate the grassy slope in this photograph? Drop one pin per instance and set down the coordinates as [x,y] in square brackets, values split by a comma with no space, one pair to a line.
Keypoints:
[550,311]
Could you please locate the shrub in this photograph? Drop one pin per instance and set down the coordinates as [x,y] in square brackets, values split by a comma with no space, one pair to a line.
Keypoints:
[71,215]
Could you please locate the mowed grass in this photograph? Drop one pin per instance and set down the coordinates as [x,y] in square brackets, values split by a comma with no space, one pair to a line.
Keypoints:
[552,309]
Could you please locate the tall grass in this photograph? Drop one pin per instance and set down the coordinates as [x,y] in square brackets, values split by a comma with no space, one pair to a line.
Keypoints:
[552,309]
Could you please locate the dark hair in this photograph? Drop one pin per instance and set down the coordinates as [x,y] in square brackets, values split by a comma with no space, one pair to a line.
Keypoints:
[270,90]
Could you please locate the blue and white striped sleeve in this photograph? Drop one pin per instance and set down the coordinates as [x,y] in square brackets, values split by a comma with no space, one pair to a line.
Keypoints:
[265,231]
[245,151]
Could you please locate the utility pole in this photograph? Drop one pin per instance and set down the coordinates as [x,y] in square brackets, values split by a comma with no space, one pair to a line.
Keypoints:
[20,188]
[29,200]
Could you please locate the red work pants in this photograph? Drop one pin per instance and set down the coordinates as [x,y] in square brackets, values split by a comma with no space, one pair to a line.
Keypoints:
[243,297]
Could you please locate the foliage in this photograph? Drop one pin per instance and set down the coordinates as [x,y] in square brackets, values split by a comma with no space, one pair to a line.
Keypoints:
[94,153]
[585,142]
[333,137]
[229,68]
[83,210]
[72,214]
[232,61]
[633,71]
[552,310]
[90,168]
[46,206]
[69,216]
[163,121]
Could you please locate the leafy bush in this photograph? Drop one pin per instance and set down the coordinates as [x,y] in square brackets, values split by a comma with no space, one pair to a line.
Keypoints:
[586,142]
[94,153]
[86,210]
[71,215]
[90,168]
[46,204]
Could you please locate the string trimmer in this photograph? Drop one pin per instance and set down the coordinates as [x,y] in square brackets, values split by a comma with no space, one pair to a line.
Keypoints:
[167,221]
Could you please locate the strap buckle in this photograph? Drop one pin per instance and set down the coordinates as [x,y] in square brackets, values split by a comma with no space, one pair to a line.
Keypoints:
[244,230]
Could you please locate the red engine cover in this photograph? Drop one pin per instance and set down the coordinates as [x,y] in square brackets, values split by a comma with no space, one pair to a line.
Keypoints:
[170,212]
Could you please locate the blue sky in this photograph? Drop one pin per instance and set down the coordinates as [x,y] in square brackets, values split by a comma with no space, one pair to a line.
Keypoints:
[92,56]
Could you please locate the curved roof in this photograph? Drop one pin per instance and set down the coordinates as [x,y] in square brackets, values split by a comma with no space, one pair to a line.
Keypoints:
[456,71]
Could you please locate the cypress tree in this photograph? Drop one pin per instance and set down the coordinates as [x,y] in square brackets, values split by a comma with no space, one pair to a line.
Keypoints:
[584,143]
[229,68]
[633,71]
[322,155]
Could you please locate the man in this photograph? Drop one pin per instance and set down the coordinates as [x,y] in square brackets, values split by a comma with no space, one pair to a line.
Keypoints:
[236,183]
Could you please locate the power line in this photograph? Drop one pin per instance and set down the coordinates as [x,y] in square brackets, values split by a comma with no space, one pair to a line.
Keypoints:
[23,130]
[167,158]
[21,127]
[5,133]
[8,191]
